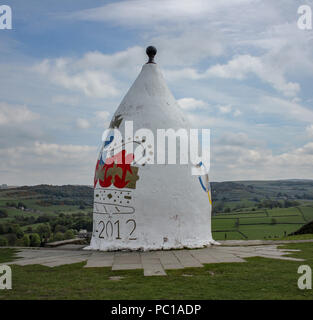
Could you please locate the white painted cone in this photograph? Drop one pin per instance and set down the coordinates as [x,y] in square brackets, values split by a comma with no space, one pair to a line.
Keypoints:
[165,207]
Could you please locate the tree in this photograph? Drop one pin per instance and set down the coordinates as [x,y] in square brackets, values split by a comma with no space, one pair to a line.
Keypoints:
[291,203]
[59,228]
[11,239]
[42,219]
[44,232]
[19,233]
[69,234]
[59,236]
[11,204]
[35,240]
[26,240]
[3,242]
[29,229]
[13,228]
[21,205]
[3,213]
[217,207]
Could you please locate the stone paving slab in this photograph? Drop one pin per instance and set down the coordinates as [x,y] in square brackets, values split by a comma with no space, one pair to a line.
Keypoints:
[42,260]
[232,259]
[225,256]
[130,266]
[245,254]
[126,261]
[169,261]
[70,247]
[64,261]
[127,258]
[260,242]
[30,254]
[186,259]
[98,260]
[203,256]
[154,263]
[151,264]
[281,257]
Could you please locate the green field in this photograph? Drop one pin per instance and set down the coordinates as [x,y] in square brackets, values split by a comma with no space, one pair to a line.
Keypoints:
[258,278]
[241,210]
[52,213]
[266,224]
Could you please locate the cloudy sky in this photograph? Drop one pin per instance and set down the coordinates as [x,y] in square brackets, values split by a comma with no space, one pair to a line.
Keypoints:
[239,67]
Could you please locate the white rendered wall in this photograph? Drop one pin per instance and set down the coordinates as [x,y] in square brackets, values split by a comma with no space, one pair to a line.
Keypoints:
[168,208]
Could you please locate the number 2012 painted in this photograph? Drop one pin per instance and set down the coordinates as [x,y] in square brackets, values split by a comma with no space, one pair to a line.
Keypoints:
[108,229]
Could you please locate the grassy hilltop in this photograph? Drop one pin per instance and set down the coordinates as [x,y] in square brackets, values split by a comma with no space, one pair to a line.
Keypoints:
[258,278]
[33,215]
[242,210]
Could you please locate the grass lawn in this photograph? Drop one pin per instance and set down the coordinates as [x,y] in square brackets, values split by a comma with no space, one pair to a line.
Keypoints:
[272,223]
[259,278]
[308,236]
[308,212]
[270,231]
[7,255]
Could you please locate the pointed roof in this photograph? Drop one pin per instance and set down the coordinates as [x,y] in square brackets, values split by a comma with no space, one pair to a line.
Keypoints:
[149,102]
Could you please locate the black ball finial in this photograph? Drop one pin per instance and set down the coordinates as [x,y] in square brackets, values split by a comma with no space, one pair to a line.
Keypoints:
[151,52]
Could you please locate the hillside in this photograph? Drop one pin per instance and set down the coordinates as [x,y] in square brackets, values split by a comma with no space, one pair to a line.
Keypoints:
[258,190]
[241,210]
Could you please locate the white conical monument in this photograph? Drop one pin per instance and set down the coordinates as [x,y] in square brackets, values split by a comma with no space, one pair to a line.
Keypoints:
[139,205]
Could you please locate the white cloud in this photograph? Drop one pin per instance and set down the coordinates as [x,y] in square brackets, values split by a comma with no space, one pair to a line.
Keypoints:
[55,153]
[284,108]
[102,115]
[237,113]
[243,65]
[48,163]
[191,104]
[212,122]
[82,123]
[225,109]
[236,139]
[100,118]
[184,73]
[70,75]
[126,61]
[242,160]
[179,49]
[237,68]
[238,39]
[94,74]
[309,130]
[149,12]
[286,47]
[66,100]
[15,114]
